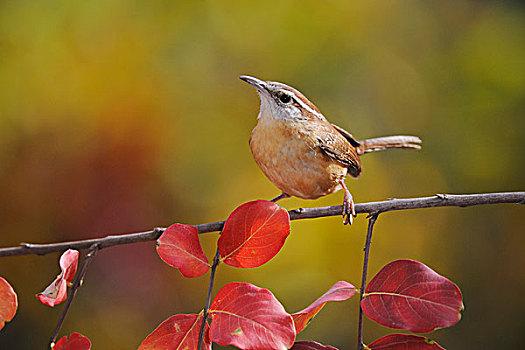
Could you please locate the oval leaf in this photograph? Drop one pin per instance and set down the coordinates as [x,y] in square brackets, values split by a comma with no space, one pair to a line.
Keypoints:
[310,345]
[177,332]
[407,294]
[76,341]
[340,291]
[404,342]
[56,292]
[69,263]
[253,234]
[179,247]
[8,302]
[250,317]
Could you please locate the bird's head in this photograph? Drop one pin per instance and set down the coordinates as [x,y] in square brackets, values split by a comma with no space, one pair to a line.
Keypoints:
[282,102]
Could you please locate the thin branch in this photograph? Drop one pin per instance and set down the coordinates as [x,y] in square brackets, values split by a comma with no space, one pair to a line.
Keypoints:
[216,260]
[368,242]
[442,200]
[78,282]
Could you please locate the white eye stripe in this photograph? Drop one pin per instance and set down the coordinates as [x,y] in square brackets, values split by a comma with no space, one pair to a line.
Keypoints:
[304,105]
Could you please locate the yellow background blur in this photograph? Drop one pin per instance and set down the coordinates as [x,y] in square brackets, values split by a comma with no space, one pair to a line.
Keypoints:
[119,116]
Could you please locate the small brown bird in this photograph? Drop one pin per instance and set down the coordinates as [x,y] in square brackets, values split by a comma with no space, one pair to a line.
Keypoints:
[304,154]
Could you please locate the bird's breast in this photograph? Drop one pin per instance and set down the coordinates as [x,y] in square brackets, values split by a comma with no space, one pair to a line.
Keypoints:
[288,154]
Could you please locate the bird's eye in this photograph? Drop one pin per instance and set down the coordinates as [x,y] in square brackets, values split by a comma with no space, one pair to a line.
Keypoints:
[284,98]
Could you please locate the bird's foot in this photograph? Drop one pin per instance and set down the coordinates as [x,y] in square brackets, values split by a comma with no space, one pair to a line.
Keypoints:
[279,197]
[348,207]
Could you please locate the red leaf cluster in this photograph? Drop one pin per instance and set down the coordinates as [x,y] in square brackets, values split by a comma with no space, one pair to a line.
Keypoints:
[8,302]
[253,234]
[56,292]
[243,314]
[247,317]
[407,294]
[76,341]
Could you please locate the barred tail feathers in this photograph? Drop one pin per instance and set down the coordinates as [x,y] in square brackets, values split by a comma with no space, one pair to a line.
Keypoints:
[381,143]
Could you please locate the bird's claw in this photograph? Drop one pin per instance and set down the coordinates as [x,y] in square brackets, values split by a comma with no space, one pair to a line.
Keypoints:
[348,209]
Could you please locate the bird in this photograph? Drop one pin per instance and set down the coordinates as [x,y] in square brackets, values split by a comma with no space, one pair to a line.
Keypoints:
[302,153]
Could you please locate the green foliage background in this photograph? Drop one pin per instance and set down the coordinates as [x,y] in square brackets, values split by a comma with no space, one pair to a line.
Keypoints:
[119,116]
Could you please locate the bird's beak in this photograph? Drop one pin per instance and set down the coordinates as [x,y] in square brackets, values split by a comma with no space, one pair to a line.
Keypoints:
[259,84]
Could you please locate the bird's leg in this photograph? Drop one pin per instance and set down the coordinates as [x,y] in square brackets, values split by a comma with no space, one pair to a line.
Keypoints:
[348,206]
[279,197]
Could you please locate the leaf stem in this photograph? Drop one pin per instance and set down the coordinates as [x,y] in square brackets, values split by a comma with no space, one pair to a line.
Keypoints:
[78,282]
[216,261]
[371,221]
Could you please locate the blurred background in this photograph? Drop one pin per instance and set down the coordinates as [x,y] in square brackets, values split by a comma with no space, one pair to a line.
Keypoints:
[120,116]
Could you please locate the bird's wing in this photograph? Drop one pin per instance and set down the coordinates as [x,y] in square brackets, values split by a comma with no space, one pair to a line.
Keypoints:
[337,146]
[347,136]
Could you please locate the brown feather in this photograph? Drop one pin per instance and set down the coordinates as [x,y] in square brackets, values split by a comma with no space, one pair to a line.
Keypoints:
[336,146]
[347,135]
[381,143]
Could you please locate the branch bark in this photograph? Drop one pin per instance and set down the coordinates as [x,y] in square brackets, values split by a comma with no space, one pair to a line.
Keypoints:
[216,261]
[439,200]
[371,221]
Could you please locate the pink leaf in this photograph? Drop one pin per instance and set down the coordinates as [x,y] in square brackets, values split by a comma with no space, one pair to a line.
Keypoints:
[8,302]
[56,292]
[404,342]
[69,263]
[76,341]
[407,294]
[250,317]
[177,332]
[340,291]
[179,247]
[253,234]
[310,345]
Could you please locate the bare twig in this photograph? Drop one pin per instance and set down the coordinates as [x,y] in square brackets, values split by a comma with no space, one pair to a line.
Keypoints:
[296,214]
[78,282]
[371,222]
[216,260]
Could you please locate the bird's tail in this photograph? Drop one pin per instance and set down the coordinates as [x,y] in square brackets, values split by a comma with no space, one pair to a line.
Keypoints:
[381,143]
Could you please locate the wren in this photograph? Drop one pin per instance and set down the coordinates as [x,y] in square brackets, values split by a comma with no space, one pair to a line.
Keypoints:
[301,152]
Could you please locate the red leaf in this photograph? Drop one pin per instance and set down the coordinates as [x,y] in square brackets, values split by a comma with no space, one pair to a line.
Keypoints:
[340,291]
[310,345]
[250,317]
[253,234]
[177,332]
[76,341]
[56,292]
[8,302]
[404,342]
[69,263]
[407,294]
[179,247]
